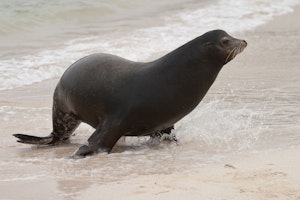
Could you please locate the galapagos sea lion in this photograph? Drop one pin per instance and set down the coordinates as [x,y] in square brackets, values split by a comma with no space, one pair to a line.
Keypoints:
[119,97]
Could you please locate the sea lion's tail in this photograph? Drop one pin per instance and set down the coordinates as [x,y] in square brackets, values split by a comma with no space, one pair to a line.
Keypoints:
[29,139]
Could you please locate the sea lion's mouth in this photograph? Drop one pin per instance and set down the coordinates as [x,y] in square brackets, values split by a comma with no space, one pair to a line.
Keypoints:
[236,50]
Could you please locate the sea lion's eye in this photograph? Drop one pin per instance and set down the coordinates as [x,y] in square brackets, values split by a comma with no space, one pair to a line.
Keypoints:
[224,42]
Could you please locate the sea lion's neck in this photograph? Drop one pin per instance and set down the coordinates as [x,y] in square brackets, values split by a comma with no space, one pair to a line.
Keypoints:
[188,71]
[190,62]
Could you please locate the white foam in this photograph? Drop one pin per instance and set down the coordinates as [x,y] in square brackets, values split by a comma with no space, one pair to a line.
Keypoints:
[224,126]
[23,178]
[236,16]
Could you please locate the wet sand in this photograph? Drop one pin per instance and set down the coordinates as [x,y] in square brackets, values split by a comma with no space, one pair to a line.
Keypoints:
[265,174]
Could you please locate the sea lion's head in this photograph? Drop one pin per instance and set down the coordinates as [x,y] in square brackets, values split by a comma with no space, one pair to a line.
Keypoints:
[221,47]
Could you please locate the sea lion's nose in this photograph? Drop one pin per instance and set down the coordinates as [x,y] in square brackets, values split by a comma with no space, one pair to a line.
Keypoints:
[244,43]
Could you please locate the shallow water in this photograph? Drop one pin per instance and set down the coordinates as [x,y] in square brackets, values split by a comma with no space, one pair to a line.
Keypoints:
[253,106]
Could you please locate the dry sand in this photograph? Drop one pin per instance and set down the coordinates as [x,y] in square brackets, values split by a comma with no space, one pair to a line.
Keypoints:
[273,174]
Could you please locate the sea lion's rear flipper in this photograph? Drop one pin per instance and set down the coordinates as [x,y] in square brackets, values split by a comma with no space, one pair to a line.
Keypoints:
[165,134]
[29,139]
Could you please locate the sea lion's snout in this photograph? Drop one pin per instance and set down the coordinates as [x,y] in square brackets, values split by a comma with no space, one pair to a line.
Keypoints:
[230,43]
[233,46]
[243,44]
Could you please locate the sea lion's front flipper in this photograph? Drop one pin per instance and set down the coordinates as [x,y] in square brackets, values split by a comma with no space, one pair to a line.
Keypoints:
[103,139]
[29,139]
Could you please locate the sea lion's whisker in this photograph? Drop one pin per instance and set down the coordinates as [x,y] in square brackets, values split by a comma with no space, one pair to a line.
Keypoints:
[230,54]
[238,50]
[235,53]
[241,49]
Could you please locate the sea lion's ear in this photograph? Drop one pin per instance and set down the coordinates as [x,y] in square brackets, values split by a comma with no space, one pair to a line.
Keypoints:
[207,44]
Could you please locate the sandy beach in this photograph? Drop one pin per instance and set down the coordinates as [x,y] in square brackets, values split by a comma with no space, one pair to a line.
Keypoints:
[264,172]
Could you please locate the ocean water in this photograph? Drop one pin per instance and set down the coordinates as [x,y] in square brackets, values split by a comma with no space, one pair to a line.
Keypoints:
[242,112]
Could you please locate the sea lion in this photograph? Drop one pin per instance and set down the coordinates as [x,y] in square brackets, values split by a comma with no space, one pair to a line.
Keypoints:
[119,97]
